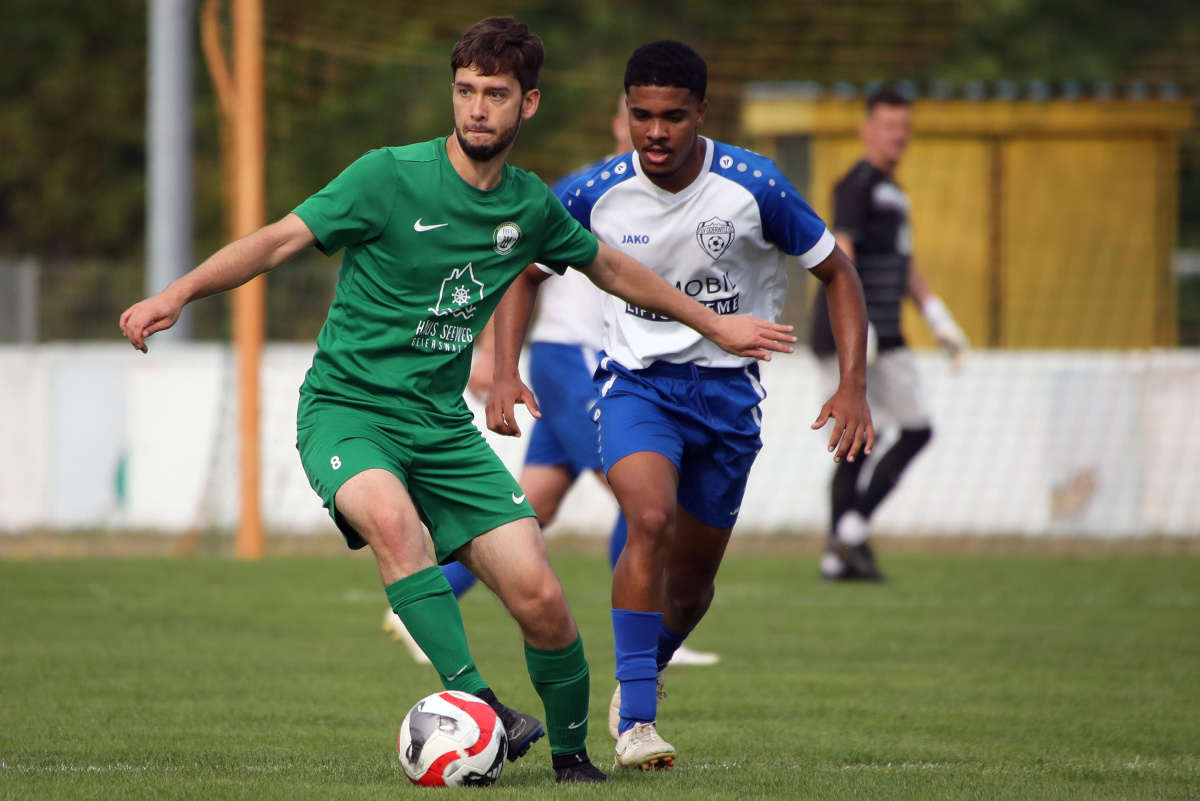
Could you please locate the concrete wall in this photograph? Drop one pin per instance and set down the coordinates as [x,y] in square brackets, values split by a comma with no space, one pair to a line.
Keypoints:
[1097,444]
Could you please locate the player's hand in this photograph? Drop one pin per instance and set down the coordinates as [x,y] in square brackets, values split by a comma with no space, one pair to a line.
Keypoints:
[505,395]
[743,335]
[959,354]
[957,347]
[946,330]
[852,429]
[149,317]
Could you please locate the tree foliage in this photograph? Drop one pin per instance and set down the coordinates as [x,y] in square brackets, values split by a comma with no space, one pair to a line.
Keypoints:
[344,76]
[72,127]
[1087,40]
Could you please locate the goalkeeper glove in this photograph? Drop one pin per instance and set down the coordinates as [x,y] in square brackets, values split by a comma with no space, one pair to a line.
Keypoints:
[949,335]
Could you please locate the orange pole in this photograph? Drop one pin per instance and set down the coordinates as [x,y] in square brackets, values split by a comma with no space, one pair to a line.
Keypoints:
[249,301]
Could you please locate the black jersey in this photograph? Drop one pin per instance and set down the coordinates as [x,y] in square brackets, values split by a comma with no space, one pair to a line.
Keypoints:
[873,211]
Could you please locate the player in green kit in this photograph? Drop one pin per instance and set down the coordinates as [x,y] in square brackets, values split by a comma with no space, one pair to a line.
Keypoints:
[433,234]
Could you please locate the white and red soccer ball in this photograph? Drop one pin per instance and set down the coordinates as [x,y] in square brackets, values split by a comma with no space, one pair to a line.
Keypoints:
[452,739]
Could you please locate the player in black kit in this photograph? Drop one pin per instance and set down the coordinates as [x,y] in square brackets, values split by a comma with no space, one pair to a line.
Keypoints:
[871,225]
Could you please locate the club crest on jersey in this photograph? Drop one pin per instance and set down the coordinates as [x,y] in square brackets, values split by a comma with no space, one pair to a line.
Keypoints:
[459,294]
[715,236]
[505,237]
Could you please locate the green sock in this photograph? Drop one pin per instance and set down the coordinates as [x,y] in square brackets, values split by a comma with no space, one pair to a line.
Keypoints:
[561,679]
[425,602]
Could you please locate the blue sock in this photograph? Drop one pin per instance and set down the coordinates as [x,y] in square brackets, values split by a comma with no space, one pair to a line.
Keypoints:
[459,577]
[616,541]
[668,643]
[635,640]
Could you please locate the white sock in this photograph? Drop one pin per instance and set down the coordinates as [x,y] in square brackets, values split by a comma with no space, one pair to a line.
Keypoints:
[852,529]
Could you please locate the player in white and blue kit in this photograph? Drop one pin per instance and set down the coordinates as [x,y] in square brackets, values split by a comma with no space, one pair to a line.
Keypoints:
[679,421]
[565,339]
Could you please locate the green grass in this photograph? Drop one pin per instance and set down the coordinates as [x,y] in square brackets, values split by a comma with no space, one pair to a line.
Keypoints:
[975,677]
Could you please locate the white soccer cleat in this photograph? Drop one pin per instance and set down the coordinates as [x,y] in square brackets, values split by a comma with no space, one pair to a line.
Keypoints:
[641,747]
[686,656]
[394,626]
[614,706]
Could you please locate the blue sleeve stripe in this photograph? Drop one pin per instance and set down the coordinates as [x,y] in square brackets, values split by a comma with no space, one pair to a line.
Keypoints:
[788,221]
[580,195]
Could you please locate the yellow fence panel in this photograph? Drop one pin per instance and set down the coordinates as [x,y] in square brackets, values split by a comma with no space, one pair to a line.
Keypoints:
[950,184]
[1042,224]
[832,157]
[1078,243]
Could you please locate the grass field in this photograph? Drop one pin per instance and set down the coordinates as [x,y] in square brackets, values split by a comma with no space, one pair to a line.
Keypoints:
[964,677]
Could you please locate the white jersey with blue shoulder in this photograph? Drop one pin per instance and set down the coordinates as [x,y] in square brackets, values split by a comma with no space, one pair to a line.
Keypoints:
[568,310]
[724,241]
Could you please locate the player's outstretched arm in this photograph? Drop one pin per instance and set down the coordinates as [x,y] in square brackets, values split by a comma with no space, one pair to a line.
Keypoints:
[937,315]
[852,430]
[739,334]
[231,266]
[511,322]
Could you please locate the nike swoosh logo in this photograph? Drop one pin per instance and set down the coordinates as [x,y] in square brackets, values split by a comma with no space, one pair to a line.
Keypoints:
[516,499]
[418,227]
[459,673]
[577,725]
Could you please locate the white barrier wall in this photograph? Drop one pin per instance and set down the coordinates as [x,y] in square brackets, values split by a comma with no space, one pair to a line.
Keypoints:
[1031,443]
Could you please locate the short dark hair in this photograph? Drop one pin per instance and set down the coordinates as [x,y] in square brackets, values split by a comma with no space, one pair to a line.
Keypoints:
[667,63]
[886,97]
[500,44]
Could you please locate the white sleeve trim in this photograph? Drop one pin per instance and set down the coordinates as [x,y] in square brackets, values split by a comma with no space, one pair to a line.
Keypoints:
[544,268]
[818,252]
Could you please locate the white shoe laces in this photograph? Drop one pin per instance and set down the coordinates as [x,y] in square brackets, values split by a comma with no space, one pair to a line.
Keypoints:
[643,733]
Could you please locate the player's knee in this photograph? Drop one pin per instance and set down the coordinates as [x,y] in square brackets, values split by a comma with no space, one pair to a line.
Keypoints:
[652,521]
[546,514]
[384,525]
[916,438]
[691,601]
[900,456]
[542,601]
[551,603]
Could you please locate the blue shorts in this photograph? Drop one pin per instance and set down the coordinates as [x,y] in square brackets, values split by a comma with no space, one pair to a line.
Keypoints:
[706,420]
[561,376]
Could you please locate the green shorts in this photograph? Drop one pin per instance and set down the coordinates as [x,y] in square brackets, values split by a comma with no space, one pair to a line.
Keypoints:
[459,485]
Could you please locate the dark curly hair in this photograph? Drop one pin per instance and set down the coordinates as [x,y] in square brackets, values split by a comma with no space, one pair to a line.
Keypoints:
[500,44]
[668,63]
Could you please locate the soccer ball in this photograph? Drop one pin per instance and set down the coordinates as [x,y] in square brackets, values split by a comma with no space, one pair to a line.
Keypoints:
[452,739]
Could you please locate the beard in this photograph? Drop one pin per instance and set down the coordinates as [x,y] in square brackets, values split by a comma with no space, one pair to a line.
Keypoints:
[489,151]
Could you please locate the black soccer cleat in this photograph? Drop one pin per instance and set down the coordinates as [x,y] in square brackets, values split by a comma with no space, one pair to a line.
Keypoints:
[850,563]
[582,772]
[523,730]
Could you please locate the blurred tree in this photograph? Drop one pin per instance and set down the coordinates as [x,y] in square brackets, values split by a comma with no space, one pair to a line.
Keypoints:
[345,76]
[1090,40]
[72,127]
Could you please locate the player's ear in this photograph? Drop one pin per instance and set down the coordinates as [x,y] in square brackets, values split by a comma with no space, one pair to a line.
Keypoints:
[700,109]
[529,103]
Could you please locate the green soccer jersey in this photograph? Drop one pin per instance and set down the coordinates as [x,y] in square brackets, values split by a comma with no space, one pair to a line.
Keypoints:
[428,257]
